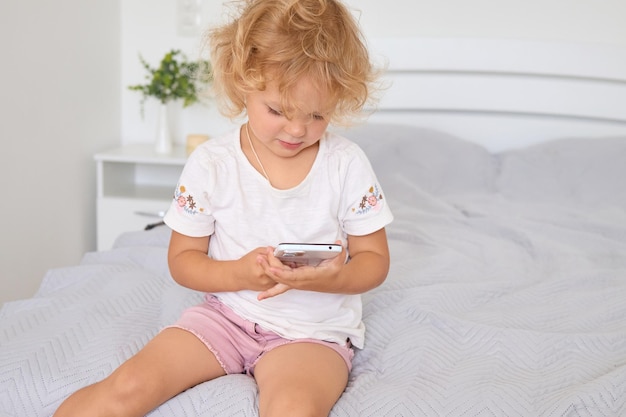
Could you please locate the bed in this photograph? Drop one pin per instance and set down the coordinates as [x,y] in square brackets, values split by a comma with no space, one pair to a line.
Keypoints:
[504,164]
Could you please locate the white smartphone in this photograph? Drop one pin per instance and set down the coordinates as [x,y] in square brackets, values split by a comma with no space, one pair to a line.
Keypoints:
[300,254]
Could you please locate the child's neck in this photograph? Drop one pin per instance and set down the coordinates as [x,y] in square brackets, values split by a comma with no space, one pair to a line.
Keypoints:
[282,173]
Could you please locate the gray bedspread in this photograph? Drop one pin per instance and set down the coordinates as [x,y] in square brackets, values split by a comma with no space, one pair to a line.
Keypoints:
[506,295]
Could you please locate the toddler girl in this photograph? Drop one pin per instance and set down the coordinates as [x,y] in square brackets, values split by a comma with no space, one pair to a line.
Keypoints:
[292,67]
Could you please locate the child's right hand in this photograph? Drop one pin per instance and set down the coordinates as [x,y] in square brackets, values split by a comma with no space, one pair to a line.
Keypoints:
[253,271]
[191,267]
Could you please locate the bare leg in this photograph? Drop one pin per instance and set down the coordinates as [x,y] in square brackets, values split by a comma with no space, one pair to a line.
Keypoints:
[172,362]
[300,379]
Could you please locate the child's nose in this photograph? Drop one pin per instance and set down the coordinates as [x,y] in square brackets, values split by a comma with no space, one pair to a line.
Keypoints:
[296,127]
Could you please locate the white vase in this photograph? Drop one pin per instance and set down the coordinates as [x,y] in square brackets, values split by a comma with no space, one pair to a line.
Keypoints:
[163,133]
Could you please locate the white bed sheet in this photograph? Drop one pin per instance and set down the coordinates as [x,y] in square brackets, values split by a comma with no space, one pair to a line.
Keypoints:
[506,294]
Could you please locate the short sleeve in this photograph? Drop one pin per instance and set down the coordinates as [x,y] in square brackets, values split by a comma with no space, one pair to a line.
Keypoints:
[365,209]
[190,210]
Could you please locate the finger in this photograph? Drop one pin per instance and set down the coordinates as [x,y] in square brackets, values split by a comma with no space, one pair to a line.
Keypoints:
[272,292]
[274,264]
[272,260]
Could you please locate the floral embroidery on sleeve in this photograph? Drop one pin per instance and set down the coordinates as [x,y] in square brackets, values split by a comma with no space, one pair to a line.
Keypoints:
[370,201]
[186,202]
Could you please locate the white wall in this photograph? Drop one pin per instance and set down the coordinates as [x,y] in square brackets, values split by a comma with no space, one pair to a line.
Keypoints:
[554,20]
[59,104]
[150,28]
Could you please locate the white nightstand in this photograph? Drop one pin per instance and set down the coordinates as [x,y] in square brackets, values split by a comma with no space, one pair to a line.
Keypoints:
[135,186]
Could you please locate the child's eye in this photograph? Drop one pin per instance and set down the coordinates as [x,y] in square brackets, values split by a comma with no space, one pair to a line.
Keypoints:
[318,117]
[274,112]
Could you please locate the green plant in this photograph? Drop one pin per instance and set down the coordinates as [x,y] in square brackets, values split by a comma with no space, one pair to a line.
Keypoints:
[176,78]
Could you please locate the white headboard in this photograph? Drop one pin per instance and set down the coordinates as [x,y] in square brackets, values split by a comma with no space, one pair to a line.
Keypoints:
[503,93]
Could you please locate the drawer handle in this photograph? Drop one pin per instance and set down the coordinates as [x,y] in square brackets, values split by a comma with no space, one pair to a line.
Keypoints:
[153,225]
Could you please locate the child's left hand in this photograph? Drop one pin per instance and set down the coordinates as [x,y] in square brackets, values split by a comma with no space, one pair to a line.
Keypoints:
[312,278]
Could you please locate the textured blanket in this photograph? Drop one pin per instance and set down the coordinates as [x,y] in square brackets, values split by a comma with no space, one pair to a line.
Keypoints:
[506,295]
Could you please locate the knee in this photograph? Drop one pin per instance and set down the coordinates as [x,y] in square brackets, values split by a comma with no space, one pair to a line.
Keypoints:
[292,406]
[126,392]
[108,397]
[124,386]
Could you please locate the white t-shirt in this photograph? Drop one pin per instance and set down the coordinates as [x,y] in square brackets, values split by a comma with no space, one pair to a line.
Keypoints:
[222,195]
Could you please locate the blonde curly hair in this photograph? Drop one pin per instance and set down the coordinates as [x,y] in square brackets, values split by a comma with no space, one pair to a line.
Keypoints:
[285,41]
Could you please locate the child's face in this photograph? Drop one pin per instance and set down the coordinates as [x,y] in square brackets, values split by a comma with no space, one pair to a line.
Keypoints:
[287,137]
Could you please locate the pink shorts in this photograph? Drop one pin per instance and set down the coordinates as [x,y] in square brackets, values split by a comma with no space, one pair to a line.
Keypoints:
[237,343]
